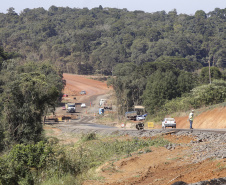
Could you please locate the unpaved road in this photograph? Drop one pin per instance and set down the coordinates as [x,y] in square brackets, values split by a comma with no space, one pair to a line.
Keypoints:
[192,158]
[95,90]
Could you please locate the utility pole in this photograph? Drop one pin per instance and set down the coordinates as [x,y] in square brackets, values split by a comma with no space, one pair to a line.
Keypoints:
[209,71]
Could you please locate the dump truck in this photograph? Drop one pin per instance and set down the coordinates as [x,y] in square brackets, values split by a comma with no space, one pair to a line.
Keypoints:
[131,115]
[70,107]
[108,105]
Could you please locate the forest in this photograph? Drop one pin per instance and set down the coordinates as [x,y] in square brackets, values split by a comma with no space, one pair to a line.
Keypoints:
[84,41]
[156,57]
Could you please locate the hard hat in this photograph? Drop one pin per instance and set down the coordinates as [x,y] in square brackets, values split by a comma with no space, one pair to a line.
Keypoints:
[192,110]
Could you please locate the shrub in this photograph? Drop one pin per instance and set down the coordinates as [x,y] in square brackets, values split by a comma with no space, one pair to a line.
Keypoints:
[25,163]
[204,95]
[22,159]
[88,137]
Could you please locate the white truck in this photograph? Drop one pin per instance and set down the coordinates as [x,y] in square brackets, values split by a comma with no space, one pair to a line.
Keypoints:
[102,101]
[70,107]
[168,122]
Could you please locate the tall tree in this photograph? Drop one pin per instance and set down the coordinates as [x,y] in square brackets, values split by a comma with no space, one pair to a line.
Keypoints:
[27,92]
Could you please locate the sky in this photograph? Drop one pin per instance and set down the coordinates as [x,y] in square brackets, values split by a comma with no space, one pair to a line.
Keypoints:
[182,6]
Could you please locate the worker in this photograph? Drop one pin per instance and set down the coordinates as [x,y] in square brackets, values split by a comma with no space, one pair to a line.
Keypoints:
[191,118]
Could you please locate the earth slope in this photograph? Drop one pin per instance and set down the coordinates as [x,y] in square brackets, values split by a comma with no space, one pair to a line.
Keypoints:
[210,119]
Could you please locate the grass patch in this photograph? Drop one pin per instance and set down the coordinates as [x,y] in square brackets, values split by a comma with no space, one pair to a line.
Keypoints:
[52,164]
[49,132]
[220,167]
[66,179]
[88,137]
[111,117]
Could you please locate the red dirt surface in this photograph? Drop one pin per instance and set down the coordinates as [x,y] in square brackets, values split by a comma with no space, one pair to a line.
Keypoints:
[211,119]
[161,166]
[77,83]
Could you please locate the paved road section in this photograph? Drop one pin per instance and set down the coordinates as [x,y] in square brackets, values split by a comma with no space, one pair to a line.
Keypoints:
[86,124]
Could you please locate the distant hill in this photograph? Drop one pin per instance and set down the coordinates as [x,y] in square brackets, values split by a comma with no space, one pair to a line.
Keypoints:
[92,41]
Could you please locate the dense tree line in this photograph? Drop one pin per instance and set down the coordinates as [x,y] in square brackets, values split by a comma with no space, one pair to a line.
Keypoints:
[167,85]
[152,55]
[91,41]
[28,92]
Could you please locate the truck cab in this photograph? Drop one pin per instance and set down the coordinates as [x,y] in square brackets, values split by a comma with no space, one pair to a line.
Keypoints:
[70,107]
[102,101]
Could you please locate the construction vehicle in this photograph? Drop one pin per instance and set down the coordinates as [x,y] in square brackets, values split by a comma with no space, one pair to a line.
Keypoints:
[106,104]
[102,101]
[70,107]
[131,115]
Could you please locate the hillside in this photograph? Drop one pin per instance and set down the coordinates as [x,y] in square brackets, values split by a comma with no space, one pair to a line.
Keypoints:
[84,41]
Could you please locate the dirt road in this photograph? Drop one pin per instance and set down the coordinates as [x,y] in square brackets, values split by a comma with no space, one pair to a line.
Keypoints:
[77,83]
[191,158]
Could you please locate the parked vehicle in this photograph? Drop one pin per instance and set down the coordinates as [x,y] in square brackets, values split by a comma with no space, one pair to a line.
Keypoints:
[83,92]
[70,107]
[83,105]
[131,115]
[145,115]
[102,101]
[168,122]
[140,118]
[106,104]
[101,111]
[65,95]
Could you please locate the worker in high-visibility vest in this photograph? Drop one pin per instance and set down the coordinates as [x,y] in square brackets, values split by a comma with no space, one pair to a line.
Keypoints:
[191,118]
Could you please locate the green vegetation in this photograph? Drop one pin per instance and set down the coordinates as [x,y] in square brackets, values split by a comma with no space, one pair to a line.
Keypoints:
[92,41]
[158,60]
[156,57]
[165,87]
[47,163]
[28,92]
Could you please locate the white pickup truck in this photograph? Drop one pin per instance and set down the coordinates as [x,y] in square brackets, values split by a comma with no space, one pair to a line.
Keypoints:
[168,122]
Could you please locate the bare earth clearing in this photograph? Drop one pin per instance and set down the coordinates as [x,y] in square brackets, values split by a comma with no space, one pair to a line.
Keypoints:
[164,165]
